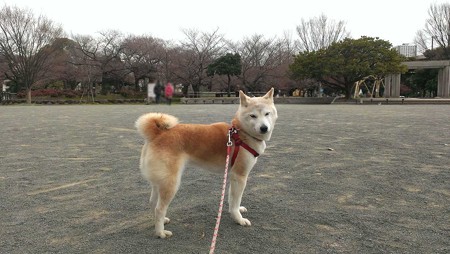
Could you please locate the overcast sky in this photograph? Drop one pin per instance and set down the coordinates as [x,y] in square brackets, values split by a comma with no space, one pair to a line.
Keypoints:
[395,20]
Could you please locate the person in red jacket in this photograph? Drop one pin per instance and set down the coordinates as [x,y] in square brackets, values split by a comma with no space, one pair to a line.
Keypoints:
[168,92]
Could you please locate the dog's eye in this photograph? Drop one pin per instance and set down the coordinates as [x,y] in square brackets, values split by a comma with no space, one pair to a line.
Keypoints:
[253,116]
[268,113]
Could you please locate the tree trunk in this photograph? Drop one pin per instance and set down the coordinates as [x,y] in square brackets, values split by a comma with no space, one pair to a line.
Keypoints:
[29,95]
[196,89]
[229,86]
[348,93]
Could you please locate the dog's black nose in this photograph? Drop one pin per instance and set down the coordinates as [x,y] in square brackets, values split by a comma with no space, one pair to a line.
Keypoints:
[263,129]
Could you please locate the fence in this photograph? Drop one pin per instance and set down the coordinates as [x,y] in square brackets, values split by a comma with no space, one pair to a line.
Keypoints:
[6,97]
[221,94]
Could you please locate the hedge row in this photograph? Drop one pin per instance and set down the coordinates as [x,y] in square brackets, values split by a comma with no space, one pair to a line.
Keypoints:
[53,93]
[62,102]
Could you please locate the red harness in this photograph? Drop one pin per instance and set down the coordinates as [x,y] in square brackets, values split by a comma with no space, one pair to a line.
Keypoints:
[238,143]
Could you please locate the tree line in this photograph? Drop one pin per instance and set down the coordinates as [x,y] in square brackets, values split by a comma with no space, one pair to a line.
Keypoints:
[35,52]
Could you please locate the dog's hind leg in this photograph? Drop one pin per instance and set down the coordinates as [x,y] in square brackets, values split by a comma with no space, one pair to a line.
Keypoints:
[167,188]
[166,193]
[154,201]
[237,186]
[154,197]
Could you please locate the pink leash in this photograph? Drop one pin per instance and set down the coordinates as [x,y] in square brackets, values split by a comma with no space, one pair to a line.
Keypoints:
[219,215]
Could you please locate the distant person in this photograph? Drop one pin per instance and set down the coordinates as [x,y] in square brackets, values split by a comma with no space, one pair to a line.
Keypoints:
[150,92]
[158,90]
[169,93]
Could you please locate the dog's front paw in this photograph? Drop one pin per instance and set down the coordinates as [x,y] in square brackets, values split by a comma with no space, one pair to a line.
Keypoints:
[237,217]
[244,222]
[164,234]
[166,220]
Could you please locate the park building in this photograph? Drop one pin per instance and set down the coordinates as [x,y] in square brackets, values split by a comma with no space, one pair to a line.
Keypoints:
[406,49]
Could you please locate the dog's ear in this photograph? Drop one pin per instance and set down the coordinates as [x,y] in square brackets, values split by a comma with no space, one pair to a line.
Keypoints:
[243,98]
[269,94]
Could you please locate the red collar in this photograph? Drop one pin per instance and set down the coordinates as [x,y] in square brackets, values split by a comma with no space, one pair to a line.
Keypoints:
[238,143]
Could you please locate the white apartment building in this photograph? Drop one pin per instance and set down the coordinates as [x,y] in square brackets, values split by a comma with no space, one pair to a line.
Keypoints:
[406,49]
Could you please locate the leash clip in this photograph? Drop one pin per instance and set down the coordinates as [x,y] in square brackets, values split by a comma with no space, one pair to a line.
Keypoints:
[231,131]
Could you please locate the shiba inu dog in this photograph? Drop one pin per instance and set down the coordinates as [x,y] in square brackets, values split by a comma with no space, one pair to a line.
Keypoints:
[170,145]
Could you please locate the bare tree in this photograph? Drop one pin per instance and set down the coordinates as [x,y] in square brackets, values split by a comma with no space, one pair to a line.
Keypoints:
[142,56]
[264,61]
[25,45]
[422,41]
[199,50]
[177,67]
[100,57]
[436,32]
[253,55]
[3,67]
[84,57]
[320,32]
[280,77]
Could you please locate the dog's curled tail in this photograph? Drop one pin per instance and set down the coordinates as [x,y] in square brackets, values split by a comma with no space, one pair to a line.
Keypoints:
[151,124]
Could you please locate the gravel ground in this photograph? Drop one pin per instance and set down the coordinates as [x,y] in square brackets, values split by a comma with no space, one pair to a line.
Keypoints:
[334,179]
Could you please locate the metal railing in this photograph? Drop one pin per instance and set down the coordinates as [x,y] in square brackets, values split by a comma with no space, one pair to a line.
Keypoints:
[5,96]
[221,94]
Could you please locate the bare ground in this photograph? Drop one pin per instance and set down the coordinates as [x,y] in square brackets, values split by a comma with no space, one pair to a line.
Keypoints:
[334,179]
